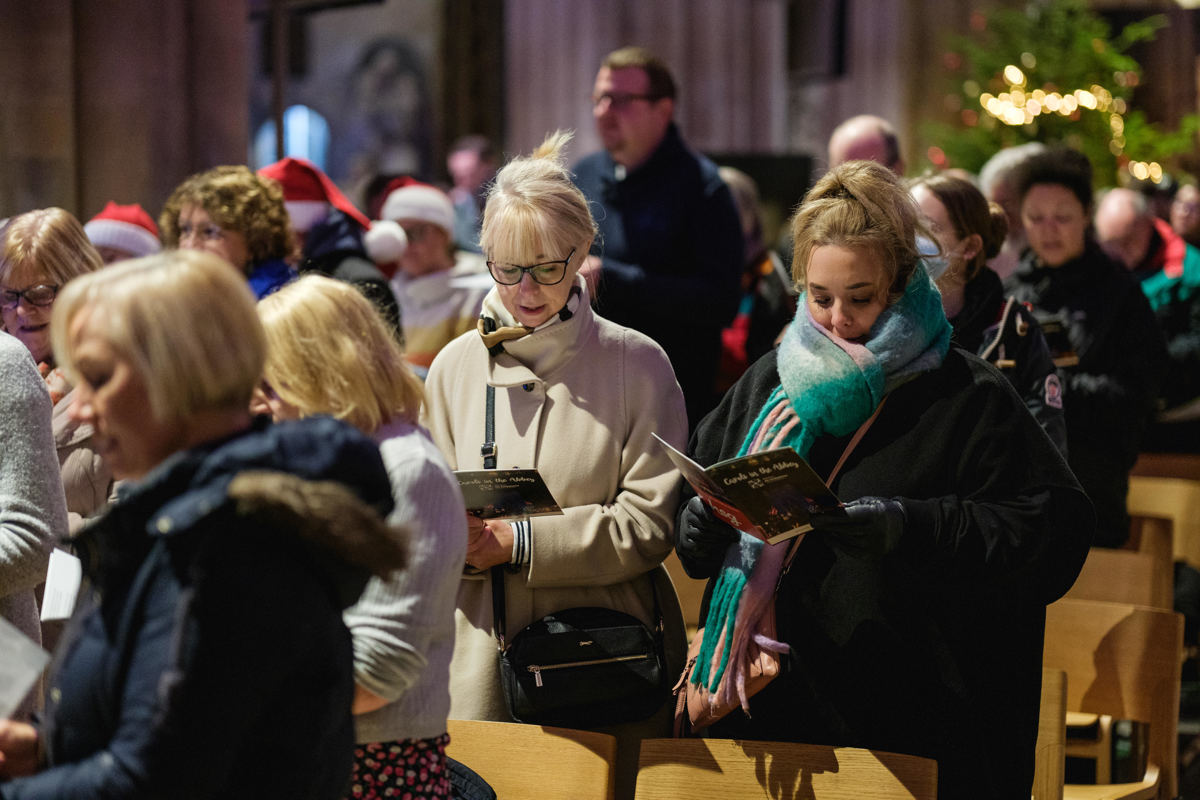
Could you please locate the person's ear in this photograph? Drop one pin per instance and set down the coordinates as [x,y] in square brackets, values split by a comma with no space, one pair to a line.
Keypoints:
[666,105]
[971,246]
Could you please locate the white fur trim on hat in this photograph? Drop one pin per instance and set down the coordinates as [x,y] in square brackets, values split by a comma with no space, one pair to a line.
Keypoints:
[426,203]
[385,241]
[306,213]
[126,236]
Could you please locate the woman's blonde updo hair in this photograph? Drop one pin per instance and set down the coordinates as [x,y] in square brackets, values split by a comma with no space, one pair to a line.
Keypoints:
[534,210]
[970,213]
[330,352]
[860,205]
[237,199]
[183,319]
[50,242]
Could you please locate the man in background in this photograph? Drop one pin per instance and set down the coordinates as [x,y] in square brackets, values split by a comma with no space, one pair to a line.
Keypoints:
[1169,271]
[472,164]
[667,261]
[866,138]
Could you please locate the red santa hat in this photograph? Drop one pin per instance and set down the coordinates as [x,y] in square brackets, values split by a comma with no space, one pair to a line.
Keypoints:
[128,228]
[308,193]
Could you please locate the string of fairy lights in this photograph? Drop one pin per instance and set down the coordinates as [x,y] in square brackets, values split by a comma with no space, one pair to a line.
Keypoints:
[1020,105]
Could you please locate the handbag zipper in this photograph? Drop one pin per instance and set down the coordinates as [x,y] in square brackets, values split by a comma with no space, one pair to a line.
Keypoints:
[537,669]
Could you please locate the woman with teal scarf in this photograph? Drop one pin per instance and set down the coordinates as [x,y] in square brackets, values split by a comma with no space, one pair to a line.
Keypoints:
[918,607]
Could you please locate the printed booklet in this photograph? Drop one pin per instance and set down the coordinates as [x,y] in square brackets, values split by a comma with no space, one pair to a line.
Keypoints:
[506,493]
[769,494]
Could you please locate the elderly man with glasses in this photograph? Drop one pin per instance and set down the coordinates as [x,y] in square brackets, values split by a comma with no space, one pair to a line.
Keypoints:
[668,258]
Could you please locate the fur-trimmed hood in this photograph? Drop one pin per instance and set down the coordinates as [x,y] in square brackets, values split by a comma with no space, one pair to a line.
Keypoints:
[317,479]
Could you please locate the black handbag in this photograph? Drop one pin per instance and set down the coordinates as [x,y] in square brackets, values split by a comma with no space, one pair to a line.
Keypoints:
[579,667]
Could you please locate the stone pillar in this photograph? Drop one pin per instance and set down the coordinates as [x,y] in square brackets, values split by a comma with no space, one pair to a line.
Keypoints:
[118,99]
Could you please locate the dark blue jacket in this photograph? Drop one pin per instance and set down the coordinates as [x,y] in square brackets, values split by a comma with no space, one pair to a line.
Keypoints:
[207,657]
[334,247]
[672,249]
[267,277]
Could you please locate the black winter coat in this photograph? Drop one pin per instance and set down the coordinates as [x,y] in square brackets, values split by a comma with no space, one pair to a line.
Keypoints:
[209,658]
[334,247]
[1110,395]
[1013,343]
[935,649]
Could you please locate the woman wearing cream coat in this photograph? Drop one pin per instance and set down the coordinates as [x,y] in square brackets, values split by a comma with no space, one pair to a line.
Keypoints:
[577,397]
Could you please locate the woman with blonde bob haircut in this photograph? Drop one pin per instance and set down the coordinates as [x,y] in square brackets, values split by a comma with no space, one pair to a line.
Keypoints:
[221,572]
[206,353]
[577,398]
[899,616]
[330,352]
[41,252]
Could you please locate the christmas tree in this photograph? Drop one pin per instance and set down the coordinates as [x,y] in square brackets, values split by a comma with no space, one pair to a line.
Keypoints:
[1052,72]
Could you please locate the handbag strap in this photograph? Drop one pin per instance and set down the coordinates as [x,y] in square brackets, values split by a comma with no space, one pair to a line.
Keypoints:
[854,440]
[488,449]
[853,443]
[499,614]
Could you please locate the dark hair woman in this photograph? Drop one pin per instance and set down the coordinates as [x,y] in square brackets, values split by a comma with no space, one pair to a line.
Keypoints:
[1100,327]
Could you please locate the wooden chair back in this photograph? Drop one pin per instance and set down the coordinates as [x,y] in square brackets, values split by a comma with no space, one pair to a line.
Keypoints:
[1120,576]
[525,762]
[1050,756]
[1155,537]
[1175,499]
[1125,661]
[718,769]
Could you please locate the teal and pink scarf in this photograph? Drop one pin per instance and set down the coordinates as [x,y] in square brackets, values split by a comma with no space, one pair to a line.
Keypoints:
[828,387]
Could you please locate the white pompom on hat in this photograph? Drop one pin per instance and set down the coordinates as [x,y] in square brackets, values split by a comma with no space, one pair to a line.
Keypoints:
[124,227]
[385,242]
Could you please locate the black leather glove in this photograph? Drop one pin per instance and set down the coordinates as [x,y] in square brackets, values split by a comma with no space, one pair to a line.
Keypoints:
[866,528]
[701,539]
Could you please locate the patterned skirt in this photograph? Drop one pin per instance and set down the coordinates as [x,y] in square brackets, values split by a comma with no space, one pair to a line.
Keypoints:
[413,769]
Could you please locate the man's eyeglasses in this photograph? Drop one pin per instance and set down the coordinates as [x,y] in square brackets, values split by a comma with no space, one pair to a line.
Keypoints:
[621,100]
[41,295]
[547,273]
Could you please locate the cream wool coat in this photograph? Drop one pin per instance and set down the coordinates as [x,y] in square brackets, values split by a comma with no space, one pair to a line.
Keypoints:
[577,400]
[86,479]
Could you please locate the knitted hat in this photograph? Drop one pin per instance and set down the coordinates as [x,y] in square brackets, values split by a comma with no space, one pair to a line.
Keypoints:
[128,228]
[421,201]
[308,192]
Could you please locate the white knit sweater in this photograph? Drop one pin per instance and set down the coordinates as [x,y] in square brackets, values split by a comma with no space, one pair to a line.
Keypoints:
[403,628]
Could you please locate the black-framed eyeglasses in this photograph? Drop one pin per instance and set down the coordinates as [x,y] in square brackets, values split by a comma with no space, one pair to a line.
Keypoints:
[547,273]
[41,295]
[620,100]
